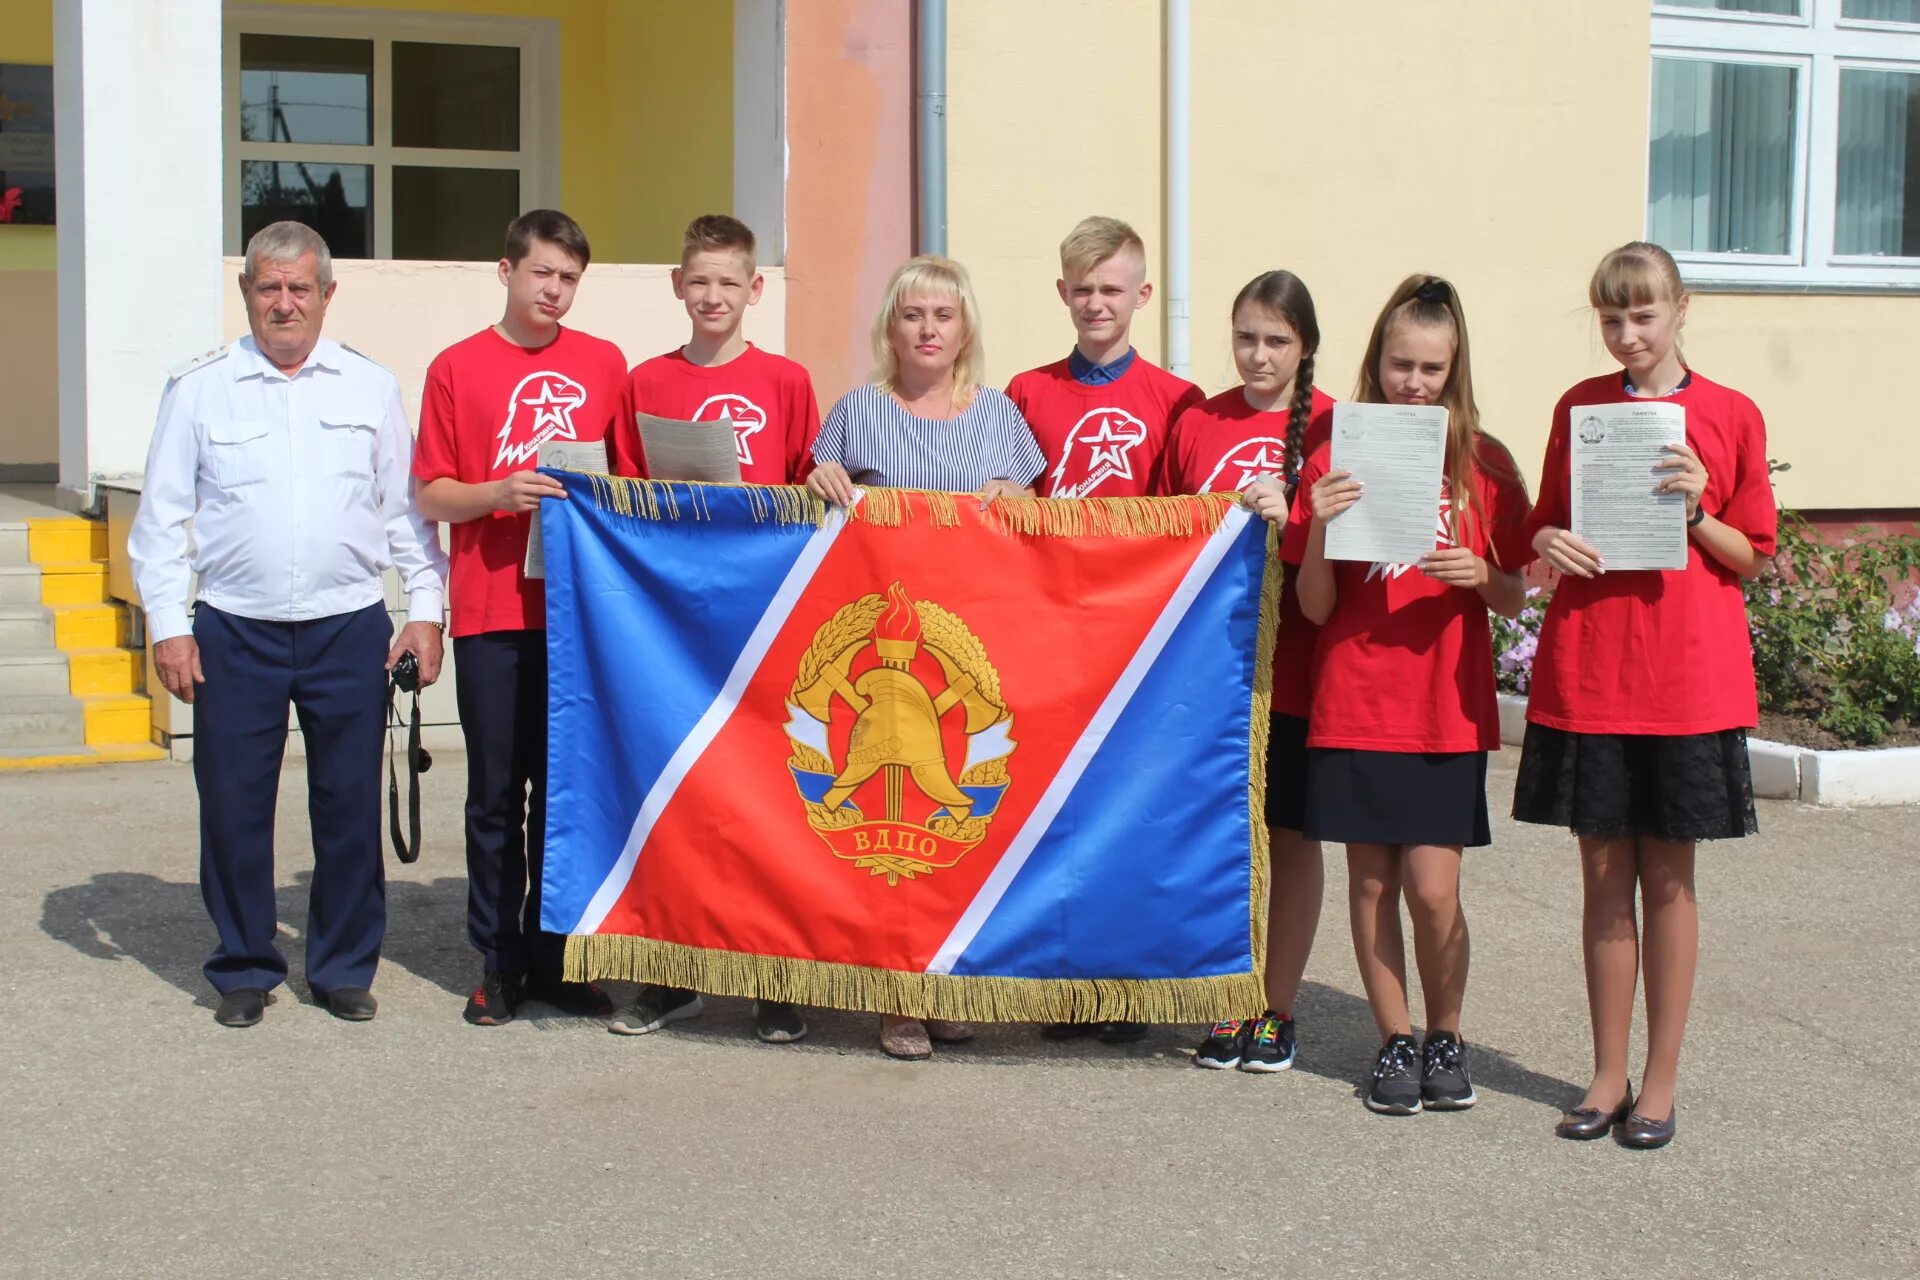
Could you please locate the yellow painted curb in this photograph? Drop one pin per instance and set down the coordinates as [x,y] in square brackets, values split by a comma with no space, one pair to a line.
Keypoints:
[77,582]
[117,719]
[88,626]
[58,539]
[105,755]
[91,671]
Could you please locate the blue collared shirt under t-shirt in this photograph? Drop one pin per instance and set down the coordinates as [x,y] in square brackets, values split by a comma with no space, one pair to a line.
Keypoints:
[1088,374]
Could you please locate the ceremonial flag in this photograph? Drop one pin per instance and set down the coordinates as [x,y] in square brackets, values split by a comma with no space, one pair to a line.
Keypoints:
[912,757]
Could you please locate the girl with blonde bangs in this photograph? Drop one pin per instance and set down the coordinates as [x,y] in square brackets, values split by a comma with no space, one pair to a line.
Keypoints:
[1635,744]
[1403,710]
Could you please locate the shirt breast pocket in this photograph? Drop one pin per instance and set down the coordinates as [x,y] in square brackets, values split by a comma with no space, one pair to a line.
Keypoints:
[346,449]
[237,453]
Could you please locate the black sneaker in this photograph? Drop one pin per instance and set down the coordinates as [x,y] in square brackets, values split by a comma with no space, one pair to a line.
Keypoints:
[1226,1044]
[1070,1030]
[1122,1032]
[777,1022]
[1444,1084]
[1395,1090]
[495,1001]
[653,1007]
[581,999]
[1270,1044]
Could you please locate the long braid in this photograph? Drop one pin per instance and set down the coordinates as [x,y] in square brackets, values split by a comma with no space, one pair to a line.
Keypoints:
[1297,415]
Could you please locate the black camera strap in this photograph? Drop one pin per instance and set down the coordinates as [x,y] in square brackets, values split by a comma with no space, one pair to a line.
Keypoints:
[407,850]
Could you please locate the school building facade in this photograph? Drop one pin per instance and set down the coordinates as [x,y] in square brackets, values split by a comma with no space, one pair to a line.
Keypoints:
[1774,145]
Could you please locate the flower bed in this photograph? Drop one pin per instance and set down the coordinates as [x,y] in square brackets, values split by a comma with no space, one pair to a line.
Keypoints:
[1836,640]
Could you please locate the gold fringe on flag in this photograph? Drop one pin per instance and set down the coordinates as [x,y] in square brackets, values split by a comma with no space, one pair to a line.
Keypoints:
[1178,517]
[622,958]
[1259,734]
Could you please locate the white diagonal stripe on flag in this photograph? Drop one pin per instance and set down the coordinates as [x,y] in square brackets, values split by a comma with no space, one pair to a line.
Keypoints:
[1028,838]
[717,713]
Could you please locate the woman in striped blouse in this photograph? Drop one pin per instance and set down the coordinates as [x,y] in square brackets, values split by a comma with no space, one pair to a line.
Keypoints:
[925,422]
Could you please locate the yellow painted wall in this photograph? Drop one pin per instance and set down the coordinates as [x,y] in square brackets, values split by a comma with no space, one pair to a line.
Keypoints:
[1500,144]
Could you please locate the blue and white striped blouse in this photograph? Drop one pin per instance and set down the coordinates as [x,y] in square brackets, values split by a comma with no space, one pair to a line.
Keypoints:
[880,443]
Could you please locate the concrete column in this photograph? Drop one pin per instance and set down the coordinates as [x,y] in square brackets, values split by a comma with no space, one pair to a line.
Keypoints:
[138,150]
[760,124]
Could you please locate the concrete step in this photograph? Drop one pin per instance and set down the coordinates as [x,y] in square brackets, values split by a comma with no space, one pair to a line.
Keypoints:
[42,721]
[25,626]
[116,719]
[73,582]
[66,539]
[33,673]
[19,584]
[92,671]
[88,626]
[13,543]
[67,754]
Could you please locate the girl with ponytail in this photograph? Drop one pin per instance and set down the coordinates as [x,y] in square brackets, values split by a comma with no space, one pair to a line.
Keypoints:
[1403,698]
[1253,437]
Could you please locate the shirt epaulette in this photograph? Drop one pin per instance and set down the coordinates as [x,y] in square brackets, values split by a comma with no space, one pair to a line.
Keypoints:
[355,351]
[186,367]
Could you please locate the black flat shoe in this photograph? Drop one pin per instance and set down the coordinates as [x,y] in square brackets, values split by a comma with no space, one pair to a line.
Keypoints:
[1642,1134]
[351,1004]
[1584,1124]
[241,1008]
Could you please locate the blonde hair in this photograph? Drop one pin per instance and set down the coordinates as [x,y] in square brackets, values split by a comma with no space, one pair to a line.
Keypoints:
[1431,302]
[1634,275]
[1093,241]
[930,276]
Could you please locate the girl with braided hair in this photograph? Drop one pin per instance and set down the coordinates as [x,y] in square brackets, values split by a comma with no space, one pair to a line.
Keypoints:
[1253,437]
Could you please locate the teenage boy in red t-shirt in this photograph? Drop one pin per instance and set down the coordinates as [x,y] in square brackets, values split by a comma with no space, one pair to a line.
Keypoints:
[490,402]
[718,373]
[1102,415]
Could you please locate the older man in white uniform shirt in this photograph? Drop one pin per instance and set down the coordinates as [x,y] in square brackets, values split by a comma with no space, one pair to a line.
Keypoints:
[291,456]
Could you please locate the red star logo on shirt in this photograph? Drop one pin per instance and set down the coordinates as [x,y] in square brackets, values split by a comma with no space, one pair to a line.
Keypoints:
[551,399]
[1247,462]
[1113,436]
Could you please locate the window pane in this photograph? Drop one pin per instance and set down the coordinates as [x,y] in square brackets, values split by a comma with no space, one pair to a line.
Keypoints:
[1881,10]
[456,96]
[334,199]
[453,215]
[1720,168]
[1787,8]
[301,89]
[1877,208]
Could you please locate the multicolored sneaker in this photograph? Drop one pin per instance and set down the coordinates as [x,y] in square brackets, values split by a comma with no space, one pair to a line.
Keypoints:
[1270,1045]
[1226,1045]
[1395,1089]
[1444,1083]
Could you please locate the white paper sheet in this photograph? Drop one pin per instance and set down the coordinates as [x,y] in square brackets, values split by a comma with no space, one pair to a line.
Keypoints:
[1399,453]
[1616,448]
[560,455]
[690,450]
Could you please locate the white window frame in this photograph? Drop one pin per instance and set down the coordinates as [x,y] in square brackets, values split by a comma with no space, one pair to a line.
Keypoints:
[1822,45]
[537,161]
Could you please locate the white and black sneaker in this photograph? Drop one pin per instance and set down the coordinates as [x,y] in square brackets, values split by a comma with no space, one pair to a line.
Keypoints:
[1395,1090]
[653,1007]
[1444,1084]
[777,1022]
[1226,1044]
[1270,1045]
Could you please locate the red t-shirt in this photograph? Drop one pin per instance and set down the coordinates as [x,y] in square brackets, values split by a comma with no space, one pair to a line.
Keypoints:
[1405,663]
[769,398]
[487,408]
[1657,651]
[1103,441]
[1221,446]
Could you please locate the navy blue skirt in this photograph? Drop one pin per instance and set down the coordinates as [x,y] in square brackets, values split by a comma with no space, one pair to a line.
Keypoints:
[1397,797]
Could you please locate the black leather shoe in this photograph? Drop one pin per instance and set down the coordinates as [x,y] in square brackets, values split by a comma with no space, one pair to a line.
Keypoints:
[351,1004]
[1584,1124]
[1642,1134]
[241,1008]
[1122,1032]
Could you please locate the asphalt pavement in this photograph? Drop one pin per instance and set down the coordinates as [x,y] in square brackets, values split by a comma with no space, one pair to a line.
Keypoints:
[141,1140]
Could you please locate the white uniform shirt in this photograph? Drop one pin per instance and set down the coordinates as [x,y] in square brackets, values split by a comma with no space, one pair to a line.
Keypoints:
[298,489]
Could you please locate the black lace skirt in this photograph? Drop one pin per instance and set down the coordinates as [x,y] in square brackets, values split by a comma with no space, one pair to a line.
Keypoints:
[1696,786]
[1287,773]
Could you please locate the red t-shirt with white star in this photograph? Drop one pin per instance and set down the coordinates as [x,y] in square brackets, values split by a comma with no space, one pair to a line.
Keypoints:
[1405,662]
[1657,651]
[487,408]
[769,398]
[1101,441]
[1222,446]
